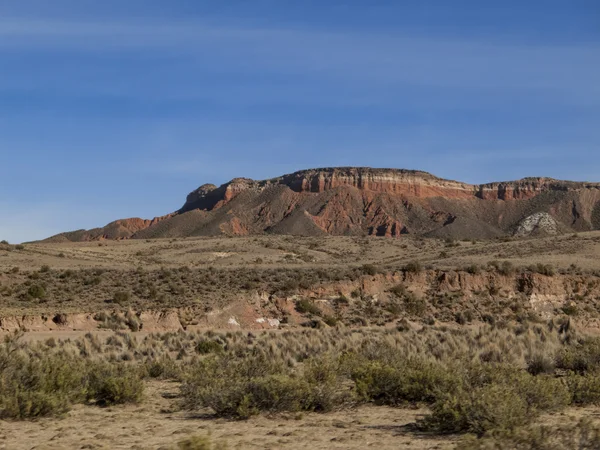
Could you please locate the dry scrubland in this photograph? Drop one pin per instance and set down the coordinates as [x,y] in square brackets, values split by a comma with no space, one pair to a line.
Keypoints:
[210,273]
[525,386]
[414,343]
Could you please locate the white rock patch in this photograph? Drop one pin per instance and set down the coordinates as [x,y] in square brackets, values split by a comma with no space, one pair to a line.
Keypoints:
[272,322]
[541,221]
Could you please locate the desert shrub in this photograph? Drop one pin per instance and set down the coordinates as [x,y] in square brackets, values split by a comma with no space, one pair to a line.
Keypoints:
[326,379]
[38,386]
[132,321]
[272,393]
[36,291]
[413,267]
[545,269]
[163,368]
[113,321]
[207,346]
[92,281]
[38,381]
[394,308]
[490,407]
[306,306]
[240,388]
[506,268]
[370,269]
[330,321]
[398,290]
[460,318]
[121,297]
[343,300]
[542,393]
[581,435]
[540,363]
[580,357]
[219,382]
[570,309]
[496,400]
[199,443]
[585,389]
[473,269]
[110,384]
[19,247]
[415,306]
[412,380]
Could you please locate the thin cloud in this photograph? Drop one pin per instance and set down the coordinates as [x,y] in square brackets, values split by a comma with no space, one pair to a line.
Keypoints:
[391,59]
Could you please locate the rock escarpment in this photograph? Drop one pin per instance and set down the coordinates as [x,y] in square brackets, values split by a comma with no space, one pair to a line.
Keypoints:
[366,201]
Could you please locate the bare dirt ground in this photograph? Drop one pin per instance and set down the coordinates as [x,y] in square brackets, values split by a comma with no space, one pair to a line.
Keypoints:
[157,424]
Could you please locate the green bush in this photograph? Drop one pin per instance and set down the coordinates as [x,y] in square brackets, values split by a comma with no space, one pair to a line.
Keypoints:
[207,346]
[412,380]
[109,384]
[495,399]
[491,407]
[330,321]
[585,389]
[36,291]
[164,368]
[240,388]
[580,357]
[370,269]
[33,386]
[415,306]
[545,269]
[581,435]
[540,363]
[121,297]
[239,396]
[305,306]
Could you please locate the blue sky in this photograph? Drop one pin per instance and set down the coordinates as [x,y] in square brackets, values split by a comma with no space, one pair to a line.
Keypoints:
[119,108]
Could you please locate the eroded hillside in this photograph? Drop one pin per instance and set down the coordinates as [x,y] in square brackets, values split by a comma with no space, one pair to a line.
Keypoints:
[365,201]
[279,282]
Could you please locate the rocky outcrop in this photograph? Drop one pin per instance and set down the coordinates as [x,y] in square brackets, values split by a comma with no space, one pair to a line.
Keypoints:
[526,188]
[538,224]
[366,201]
[392,181]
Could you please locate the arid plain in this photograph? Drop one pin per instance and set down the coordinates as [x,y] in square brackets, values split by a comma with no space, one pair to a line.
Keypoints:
[276,341]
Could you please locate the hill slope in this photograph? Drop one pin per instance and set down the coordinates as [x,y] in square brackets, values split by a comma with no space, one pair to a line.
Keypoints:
[366,201]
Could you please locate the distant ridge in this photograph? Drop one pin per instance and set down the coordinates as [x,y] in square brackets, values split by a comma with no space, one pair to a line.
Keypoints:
[368,201]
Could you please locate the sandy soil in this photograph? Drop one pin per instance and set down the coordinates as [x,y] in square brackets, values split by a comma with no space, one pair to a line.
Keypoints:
[157,424]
